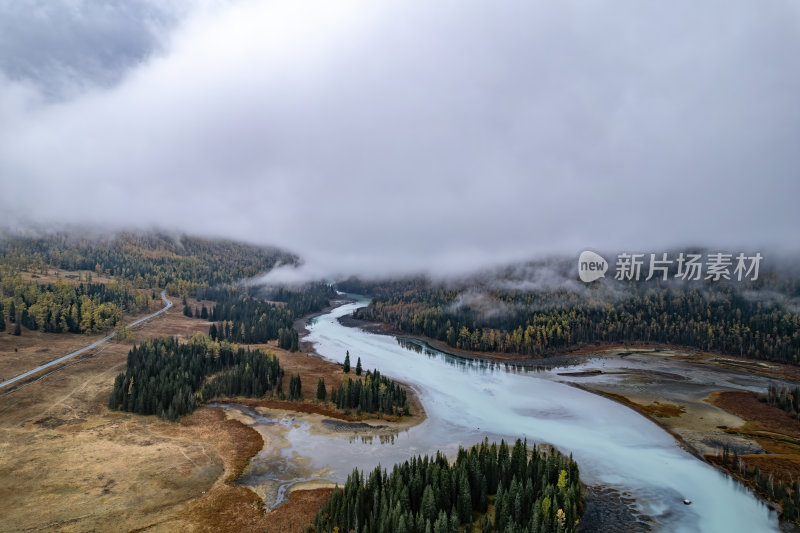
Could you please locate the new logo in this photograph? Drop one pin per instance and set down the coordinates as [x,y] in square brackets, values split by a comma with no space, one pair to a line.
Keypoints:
[591,266]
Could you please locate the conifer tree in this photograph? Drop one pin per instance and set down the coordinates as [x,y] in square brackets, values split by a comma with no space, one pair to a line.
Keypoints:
[418,495]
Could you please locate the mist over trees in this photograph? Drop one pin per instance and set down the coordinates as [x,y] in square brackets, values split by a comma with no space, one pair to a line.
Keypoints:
[181,265]
[714,317]
[243,318]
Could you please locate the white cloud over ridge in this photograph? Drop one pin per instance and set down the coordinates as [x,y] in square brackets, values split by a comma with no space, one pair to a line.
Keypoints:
[406,136]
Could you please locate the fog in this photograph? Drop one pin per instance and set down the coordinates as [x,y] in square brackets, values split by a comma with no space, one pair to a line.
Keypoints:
[403,137]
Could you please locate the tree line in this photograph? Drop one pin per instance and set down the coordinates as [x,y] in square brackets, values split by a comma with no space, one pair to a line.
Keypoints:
[717,318]
[66,307]
[181,265]
[254,375]
[239,317]
[374,394]
[170,379]
[164,377]
[785,491]
[530,491]
[785,398]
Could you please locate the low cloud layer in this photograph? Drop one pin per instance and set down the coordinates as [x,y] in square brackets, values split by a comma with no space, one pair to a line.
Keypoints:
[403,137]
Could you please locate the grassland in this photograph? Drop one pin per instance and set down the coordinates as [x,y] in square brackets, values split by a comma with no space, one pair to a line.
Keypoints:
[67,463]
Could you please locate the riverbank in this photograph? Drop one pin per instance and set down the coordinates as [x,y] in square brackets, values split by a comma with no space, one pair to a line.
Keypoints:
[568,358]
[312,367]
[611,511]
[300,324]
[698,403]
[579,355]
[775,430]
[649,379]
[671,387]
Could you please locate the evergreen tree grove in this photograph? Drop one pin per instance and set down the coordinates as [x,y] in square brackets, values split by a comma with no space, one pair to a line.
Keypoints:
[244,319]
[536,491]
[375,394]
[714,317]
[169,379]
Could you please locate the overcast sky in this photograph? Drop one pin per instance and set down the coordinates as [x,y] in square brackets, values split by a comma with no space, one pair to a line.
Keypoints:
[406,135]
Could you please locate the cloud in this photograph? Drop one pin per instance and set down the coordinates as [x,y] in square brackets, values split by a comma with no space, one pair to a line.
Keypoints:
[480,303]
[409,136]
[65,47]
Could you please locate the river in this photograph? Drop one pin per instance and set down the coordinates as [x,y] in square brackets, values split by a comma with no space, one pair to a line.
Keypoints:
[466,401]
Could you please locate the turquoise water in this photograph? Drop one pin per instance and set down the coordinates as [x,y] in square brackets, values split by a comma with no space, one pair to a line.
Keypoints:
[466,401]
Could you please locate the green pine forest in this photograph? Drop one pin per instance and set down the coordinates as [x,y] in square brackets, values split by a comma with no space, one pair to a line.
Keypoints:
[494,487]
[715,317]
[182,265]
[167,378]
[375,394]
[242,318]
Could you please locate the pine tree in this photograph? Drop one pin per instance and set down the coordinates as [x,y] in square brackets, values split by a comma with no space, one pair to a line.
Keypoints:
[428,505]
[418,495]
[358,367]
[2,319]
[442,524]
[17,329]
[321,391]
[212,331]
[464,501]
[295,388]
[346,367]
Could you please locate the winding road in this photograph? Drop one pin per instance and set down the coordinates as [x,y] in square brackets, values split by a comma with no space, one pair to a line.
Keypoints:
[89,347]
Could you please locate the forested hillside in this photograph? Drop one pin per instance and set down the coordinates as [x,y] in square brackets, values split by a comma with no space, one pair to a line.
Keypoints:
[179,264]
[239,317]
[65,307]
[528,490]
[184,266]
[493,318]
